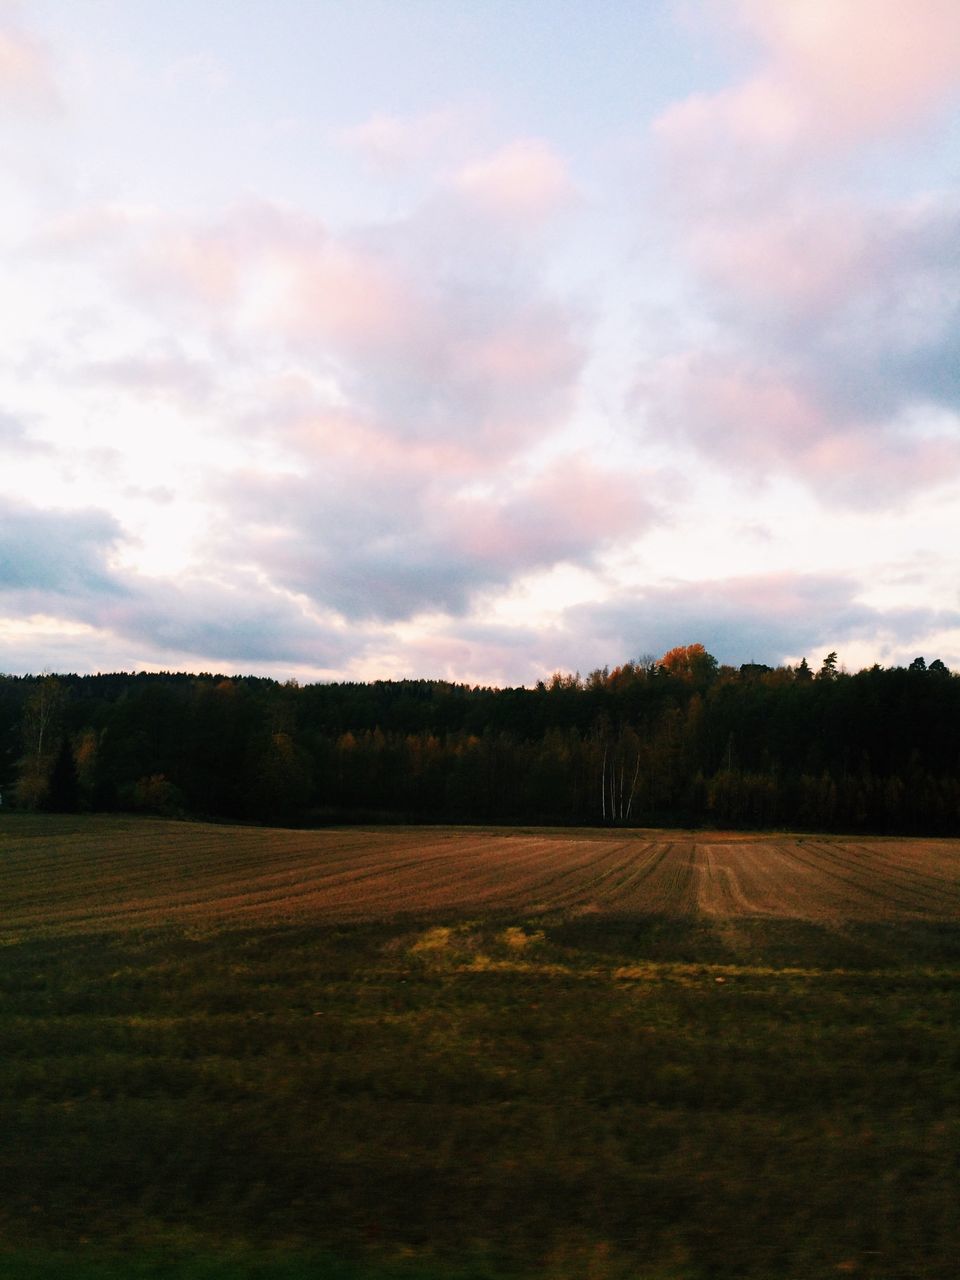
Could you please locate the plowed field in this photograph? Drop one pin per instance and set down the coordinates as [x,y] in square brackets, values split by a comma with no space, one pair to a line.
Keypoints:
[81,874]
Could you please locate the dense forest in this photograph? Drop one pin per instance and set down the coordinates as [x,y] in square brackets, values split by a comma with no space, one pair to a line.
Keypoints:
[681,740]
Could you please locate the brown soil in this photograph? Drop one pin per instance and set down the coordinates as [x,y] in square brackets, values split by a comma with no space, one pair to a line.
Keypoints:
[87,873]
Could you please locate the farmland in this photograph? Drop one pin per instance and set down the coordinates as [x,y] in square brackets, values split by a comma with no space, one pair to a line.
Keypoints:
[78,873]
[232,1051]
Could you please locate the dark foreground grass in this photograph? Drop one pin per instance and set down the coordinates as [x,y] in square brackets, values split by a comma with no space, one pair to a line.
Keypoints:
[582,1099]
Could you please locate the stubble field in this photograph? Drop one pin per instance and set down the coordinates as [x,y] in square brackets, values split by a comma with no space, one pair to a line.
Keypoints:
[233,1052]
[85,874]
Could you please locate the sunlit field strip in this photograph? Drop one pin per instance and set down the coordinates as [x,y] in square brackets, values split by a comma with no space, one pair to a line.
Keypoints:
[831,891]
[489,874]
[570,881]
[715,892]
[221,894]
[634,879]
[810,880]
[485,870]
[667,888]
[926,868]
[453,875]
[178,848]
[636,862]
[757,879]
[884,880]
[141,873]
[860,876]
[365,857]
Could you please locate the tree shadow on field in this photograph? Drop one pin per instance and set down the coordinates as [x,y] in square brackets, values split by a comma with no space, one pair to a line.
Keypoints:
[777,943]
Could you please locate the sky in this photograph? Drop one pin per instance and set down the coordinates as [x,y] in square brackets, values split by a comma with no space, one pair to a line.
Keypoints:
[477,339]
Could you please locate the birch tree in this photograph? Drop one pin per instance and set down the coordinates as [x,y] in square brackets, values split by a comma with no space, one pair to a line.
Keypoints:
[42,730]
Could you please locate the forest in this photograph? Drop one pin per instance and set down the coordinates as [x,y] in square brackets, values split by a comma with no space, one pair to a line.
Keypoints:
[678,741]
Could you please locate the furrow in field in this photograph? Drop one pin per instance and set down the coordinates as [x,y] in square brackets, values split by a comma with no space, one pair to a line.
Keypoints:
[534,874]
[220,891]
[876,884]
[375,873]
[641,892]
[900,865]
[839,888]
[756,878]
[637,863]
[663,884]
[109,873]
[556,877]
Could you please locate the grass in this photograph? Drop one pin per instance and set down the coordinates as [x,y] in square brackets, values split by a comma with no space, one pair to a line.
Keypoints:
[494,1097]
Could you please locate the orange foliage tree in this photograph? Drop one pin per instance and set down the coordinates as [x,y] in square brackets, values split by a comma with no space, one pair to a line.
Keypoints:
[690,663]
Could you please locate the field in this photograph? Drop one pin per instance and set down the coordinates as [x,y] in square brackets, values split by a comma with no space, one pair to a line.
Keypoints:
[234,1052]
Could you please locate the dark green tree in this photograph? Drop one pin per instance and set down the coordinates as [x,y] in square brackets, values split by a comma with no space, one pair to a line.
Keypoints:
[63,791]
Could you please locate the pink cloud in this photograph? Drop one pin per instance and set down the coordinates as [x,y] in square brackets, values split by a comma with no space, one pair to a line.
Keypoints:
[417,331]
[26,77]
[571,511]
[861,65]
[343,293]
[395,143]
[198,263]
[378,532]
[527,348]
[734,411]
[838,318]
[801,258]
[164,372]
[525,180]
[423,342]
[761,420]
[348,442]
[833,73]
[90,227]
[747,417]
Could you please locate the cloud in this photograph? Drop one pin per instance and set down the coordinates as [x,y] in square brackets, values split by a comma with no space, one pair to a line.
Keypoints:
[26,77]
[465,651]
[199,264]
[164,372]
[238,621]
[15,440]
[403,372]
[568,513]
[60,565]
[832,320]
[830,75]
[863,66]
[56,553]
[840,336]
[445,345]
[388,538]
[527,180]
[761,417]
[89,228]
[770,618]
[765,618]
[396,143]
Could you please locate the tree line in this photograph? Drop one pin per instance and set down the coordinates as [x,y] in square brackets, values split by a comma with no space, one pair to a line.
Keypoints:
[678,740]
